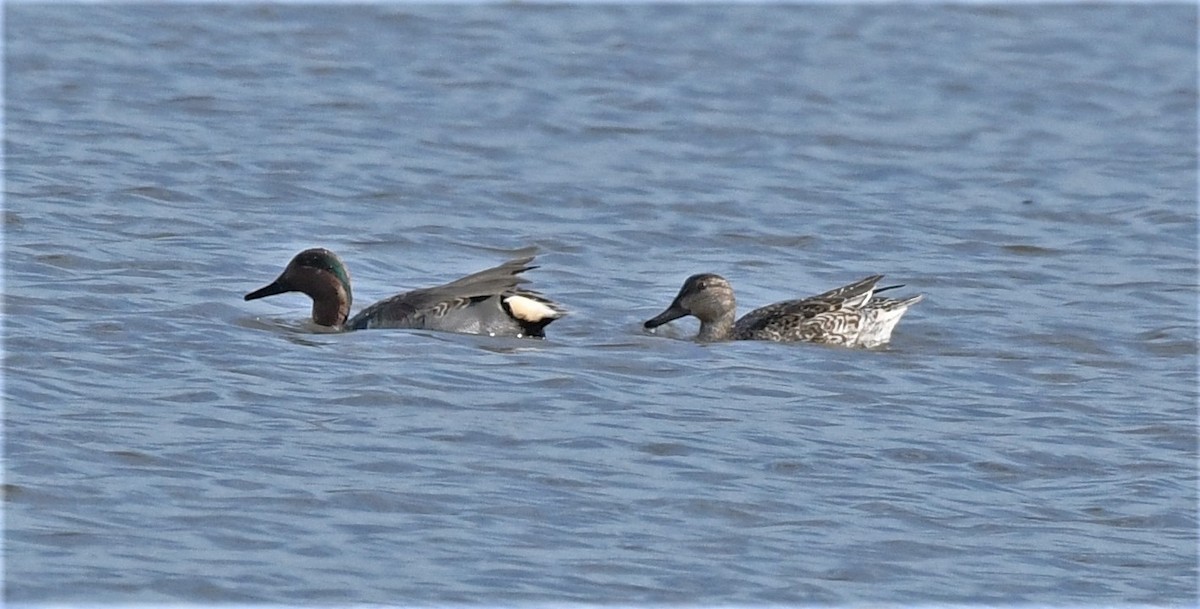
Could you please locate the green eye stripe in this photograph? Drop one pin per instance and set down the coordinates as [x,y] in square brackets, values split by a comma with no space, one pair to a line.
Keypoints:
[330,263]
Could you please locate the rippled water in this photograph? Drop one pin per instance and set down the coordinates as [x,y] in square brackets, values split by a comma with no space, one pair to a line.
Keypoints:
[1029,437]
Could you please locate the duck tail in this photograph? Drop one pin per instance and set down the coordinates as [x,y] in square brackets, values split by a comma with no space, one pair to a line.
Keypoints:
[897,304]
[532,311]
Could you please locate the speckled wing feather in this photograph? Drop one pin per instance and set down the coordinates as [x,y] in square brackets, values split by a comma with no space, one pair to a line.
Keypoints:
[852,295]
[829,317]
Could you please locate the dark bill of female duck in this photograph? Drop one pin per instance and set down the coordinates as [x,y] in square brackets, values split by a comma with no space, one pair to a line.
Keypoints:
[672,313]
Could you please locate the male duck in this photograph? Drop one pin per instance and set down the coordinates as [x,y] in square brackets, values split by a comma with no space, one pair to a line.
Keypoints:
[488,302]
[848,316]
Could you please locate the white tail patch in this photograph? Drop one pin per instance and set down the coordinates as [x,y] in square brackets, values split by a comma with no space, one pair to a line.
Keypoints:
[530,310]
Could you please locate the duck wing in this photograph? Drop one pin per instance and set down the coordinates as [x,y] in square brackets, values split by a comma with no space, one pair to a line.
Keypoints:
[831,313]
[413,309]
[852,295]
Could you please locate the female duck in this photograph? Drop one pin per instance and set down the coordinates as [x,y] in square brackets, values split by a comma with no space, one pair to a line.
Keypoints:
[488,302]
[850,315]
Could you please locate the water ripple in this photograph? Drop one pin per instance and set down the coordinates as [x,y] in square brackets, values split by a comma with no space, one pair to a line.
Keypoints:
[1028,437]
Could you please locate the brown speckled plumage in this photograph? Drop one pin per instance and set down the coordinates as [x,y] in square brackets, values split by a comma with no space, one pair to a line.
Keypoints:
[850,315]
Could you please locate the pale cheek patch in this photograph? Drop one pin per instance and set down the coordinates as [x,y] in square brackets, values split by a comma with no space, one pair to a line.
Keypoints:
[528,309]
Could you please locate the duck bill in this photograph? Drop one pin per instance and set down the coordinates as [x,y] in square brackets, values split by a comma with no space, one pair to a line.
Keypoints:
[276,287]
[672,313]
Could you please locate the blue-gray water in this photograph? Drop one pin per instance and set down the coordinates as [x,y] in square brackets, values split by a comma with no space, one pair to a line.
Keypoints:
[1029,437]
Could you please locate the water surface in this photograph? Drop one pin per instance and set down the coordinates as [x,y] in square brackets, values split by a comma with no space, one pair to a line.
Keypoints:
[1029,436]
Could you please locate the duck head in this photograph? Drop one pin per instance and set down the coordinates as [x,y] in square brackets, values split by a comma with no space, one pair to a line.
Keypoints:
[319,273]
[707,296]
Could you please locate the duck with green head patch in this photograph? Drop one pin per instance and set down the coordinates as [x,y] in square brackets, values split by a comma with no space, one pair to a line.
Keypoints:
[488,302]
[851,316]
